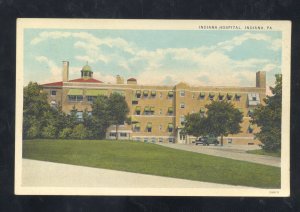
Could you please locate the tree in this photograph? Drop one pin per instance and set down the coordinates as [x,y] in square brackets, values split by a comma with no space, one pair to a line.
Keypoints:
[268,118]
[118,110]
[195,124]
[35,108]
[223,119]
[100,117]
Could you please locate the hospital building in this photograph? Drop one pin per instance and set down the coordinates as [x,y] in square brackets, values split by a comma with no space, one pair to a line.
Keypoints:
[157,111]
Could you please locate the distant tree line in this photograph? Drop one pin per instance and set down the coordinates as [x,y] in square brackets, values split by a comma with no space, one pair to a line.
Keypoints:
[40,120]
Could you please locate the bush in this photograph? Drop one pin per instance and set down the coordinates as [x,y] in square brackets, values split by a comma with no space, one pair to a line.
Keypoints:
[65,133]
[79,132]
[49,132]
[32,132]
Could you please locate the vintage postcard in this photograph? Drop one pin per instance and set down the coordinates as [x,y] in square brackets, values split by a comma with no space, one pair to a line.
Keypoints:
[153,107]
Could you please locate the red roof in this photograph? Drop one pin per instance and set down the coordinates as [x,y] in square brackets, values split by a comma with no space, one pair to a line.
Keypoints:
[53,84]
[131,79]
[84,80]
[74,80]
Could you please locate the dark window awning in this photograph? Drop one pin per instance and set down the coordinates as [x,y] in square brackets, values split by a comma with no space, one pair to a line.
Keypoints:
[145,92]
[138,125]
[149,125]
[202,94]
[238,95]
[138,108]
[229,95]
[202,110]
[170,110]
[250,127]
[138,92]
[147,109]
[170,93]
[152,109]
[221,94]
[211,94]
[134,120]
[170,126]
[241,110]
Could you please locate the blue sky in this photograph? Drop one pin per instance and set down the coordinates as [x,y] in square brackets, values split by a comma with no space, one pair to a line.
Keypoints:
[154,56]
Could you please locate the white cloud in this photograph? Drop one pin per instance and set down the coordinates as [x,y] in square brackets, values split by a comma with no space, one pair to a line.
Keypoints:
[56,72]
[206,65]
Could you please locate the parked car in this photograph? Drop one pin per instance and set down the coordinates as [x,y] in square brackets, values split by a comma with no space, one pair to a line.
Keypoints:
[207,140]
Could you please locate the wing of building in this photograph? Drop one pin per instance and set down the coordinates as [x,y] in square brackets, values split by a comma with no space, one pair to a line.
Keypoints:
[157,112]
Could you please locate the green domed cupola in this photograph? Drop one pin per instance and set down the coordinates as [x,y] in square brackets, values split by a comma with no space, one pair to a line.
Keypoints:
[86,71]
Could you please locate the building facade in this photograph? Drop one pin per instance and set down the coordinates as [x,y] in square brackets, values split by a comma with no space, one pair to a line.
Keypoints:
[157,112]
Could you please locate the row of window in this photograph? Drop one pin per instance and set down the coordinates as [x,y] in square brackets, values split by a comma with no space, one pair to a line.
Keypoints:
[154,139]
[148,128]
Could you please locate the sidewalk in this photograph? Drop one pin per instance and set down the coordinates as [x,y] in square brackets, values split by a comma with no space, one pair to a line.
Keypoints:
[232,152]
[47,174]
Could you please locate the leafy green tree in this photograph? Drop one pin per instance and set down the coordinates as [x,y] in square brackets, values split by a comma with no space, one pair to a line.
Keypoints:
[100,117]
[268,118]
[118,110]
[35,108]
[223,119]
[195,124]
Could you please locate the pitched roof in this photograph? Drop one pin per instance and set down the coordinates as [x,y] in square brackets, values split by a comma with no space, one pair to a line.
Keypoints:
[59,84]
[53,84]
[85,80]
[131,79]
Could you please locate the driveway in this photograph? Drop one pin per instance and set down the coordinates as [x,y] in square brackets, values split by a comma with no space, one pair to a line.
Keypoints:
[48,174]
[236,152]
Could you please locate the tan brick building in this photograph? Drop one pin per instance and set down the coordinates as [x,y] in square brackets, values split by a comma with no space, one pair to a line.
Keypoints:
[157,112]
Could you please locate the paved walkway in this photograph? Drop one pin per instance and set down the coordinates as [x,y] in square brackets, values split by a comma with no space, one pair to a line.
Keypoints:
[237,152]
[47,174]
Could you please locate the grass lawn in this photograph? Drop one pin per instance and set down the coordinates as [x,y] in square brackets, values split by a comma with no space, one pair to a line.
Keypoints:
[153,159]
[263,152]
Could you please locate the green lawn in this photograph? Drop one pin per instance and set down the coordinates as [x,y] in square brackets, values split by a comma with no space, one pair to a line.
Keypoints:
[153,159]
[263,152]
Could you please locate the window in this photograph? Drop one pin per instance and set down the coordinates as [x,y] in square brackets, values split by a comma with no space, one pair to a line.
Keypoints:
[149,129]
[202,96]
[182,93]
[145,139]
[138,138]
[153,140]
[90,98]
[134,102]
[230,140]
[250,129]
[53,93]
[160,140]
[237,98]
[182,105]
[253,99]
[79,115]
[138,112]
[122,134]
[112,134]
[182,120]
[220,98]
[160,127]
[171,140]
[182,136]
[160,111]
[170,130]
[73,98]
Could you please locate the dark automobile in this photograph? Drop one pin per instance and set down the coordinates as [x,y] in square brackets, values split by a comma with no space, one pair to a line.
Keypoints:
[207,140]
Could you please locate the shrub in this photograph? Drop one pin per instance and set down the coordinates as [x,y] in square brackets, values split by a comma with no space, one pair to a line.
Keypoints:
[79,132]
[65,133]
[49,132]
